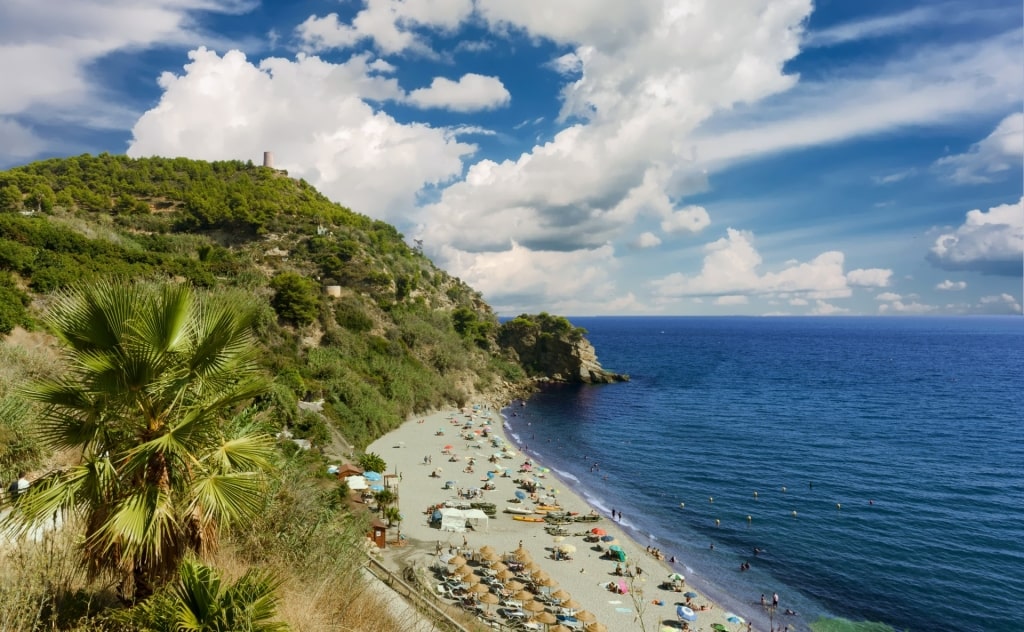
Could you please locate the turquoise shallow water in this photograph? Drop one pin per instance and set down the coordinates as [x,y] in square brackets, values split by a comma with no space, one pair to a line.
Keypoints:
[898,444]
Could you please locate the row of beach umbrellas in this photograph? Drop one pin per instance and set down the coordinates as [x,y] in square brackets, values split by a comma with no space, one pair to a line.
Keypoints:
[530,604]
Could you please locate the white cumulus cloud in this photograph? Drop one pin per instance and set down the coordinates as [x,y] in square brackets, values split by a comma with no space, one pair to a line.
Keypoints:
[647,240]
[732,266]
[990,242]
[470,93]
[899,307]
[948,285]
[690,219]
[313,115]
[999,304]
[391,25]
[999,152]
[874,277]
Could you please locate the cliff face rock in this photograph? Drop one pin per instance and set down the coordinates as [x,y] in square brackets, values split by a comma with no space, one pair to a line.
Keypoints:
[549,347]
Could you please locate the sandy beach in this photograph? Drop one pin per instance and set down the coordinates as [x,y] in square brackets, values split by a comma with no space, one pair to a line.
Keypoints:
[428,452]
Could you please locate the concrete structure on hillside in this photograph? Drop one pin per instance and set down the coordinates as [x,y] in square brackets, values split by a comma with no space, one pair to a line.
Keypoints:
[268,159]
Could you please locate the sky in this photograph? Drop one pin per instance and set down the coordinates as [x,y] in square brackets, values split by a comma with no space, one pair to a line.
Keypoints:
[585,157]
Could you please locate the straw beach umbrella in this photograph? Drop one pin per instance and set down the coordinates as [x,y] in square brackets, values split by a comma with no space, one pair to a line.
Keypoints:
[479,589]
[546,618]
[505,574]
[457,561]
[548,582]
[560,595]
[596,627]
[559,628]
[514,585]
[523,595]
[586,616]
[534,606]
[571,604]
[489,598]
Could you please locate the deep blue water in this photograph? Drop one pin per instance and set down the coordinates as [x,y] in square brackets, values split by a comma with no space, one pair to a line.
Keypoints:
[912,425]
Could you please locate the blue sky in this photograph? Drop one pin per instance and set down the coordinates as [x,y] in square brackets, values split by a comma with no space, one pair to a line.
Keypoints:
[585,156]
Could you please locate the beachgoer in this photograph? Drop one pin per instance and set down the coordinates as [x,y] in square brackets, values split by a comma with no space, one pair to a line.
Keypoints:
[18,487]
[775,600]
[672,560]
[712,546]
[764,601]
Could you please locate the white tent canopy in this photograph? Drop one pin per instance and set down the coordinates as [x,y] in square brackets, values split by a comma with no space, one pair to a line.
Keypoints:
[455,519]
[356,483]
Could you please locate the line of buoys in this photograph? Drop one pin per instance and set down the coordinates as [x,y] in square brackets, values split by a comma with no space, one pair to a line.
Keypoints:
[755,493]
[749,518]
[783,489]
[682,505]
[711,499]
[794,513]
[839,506]
[718,522]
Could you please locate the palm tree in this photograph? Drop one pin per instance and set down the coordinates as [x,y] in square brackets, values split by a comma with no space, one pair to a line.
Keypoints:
[198,603]
[393,515]
[385,498]
[152,372]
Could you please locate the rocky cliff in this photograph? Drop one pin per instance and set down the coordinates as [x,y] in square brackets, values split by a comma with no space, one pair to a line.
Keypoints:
[549,347]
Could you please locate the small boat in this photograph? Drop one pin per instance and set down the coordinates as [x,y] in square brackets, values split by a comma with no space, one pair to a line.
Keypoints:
[548,508]
[528,518]
[522,511]
[587,518]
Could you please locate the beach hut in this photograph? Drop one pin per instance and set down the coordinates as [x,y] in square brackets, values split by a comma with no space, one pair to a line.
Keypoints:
[456,520]
[356,483]
[378,533]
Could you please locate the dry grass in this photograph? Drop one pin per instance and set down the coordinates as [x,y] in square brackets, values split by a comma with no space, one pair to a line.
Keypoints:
[43,587]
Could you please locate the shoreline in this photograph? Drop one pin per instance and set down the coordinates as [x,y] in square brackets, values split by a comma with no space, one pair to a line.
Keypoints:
[722,596]
[415,450]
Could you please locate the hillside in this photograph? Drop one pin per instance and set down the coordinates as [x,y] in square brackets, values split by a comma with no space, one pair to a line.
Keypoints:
[349,313]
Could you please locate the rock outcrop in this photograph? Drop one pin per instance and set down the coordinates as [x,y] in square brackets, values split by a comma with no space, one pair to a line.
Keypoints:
[549,347]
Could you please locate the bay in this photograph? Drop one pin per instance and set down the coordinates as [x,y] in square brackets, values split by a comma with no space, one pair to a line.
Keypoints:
[875,462]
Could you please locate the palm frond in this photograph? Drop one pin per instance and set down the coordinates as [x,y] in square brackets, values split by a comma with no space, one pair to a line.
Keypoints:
[197,595]
[144,526]
[92,317]
[165,326]
[252,602]
[49,497]
[228,498]
[246,453]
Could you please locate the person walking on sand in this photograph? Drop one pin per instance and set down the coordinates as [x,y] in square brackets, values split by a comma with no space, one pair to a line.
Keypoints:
[775,600]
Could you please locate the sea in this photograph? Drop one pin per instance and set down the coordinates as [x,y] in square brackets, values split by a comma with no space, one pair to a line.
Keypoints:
[876,463]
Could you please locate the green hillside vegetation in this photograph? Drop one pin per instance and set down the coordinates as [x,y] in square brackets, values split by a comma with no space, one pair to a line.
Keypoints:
[402,336]
[340,309]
